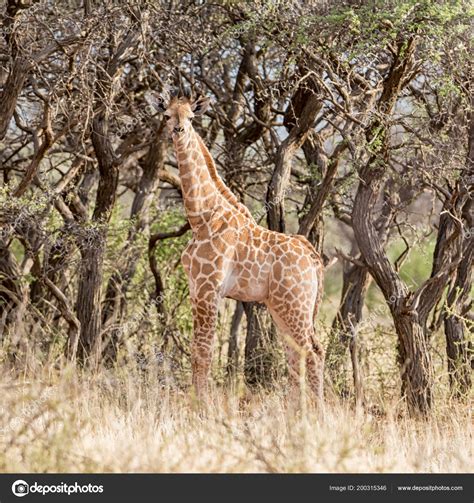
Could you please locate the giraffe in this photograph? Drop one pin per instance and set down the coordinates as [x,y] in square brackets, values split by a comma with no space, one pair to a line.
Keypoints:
[231,256]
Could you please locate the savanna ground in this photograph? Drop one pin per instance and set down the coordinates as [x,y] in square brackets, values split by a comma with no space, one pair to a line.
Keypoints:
[124,423]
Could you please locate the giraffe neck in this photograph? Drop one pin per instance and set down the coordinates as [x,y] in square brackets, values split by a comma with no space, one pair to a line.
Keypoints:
[221,186]
[200,193]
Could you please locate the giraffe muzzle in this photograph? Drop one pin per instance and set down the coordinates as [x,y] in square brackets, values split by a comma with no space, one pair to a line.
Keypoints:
[178,129]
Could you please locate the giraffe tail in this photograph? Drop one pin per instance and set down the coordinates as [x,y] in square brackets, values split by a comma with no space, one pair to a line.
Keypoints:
[317,346]
[319,295]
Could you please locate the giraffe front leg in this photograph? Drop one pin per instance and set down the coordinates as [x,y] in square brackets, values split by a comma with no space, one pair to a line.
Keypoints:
[205,319]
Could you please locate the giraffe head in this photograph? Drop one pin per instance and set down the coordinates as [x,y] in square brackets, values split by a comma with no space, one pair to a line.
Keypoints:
[179,112]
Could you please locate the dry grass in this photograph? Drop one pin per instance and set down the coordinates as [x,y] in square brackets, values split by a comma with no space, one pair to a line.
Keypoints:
[132,424]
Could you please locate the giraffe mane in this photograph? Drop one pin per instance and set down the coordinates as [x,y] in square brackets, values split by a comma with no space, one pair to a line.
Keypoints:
[221,186]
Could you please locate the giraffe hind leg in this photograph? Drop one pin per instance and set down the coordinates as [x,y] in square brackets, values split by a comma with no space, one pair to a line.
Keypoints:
[302,347]
[308,356]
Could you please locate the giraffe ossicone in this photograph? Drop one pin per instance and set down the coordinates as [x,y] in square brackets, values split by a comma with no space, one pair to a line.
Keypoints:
[231,256]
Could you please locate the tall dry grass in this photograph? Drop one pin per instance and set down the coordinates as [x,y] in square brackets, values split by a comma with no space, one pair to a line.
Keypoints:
[129,422]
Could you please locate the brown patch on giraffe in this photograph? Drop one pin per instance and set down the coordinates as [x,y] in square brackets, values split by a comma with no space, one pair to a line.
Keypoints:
[195,267]
[277,269]
[203,251]
[207,269]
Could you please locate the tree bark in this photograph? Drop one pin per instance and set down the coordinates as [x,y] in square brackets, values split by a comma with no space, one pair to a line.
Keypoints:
[414,358]
[89,297]
[458,327]
[308,221]
[92,245]
[11,91]
[356,280]
[259,368]
[300,119]
[344,332]
[13,299]
[415,362]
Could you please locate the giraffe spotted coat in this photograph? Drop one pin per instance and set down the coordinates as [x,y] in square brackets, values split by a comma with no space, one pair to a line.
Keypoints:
[231,256]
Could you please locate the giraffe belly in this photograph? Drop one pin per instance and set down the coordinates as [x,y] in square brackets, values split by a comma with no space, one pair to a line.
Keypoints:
[237,287]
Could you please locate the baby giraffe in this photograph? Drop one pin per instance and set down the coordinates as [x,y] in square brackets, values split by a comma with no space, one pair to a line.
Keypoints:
[231,256]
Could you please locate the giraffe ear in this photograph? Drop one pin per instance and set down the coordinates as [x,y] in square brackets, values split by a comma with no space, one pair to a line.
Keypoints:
[199,106]
[157,101]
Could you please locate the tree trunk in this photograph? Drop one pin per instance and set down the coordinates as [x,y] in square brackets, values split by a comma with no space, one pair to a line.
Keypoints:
[13,302]
[89,296]
[299,129]
[409,311]
[458,327]
[459,352]
[356,280]
[88,301]
[410,325]
[259,368]
[415,361]
[11,90]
